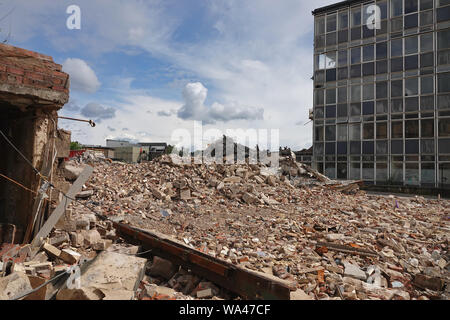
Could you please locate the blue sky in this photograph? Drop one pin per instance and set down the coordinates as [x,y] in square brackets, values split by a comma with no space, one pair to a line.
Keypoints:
[143,69]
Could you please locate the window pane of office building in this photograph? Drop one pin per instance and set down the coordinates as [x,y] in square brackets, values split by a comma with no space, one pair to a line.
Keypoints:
[382,97]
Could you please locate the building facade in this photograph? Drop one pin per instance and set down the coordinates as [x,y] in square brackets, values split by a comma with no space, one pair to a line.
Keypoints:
[382,92]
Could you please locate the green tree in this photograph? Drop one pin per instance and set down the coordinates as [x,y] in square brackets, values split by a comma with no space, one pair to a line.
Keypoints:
[169,149]
[75,145]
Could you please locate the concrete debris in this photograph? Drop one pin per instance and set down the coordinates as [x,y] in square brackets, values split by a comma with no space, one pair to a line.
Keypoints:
[51,250]
[299,294]
[114,271]
[328,239]
[354,271]
[72,171]
[301,220]
[13,285]
[84,194]
[69,256]
[91,237]
[80,294]
[206,293]
[161,268]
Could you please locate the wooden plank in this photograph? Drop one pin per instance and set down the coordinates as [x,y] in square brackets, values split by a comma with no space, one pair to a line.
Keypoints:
[37,204]
[61,208]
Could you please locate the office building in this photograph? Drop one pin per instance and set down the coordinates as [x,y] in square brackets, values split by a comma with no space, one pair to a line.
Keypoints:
[382,92]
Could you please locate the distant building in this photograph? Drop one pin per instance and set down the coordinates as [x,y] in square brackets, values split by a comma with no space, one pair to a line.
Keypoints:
[304,156]
[107,151]
[130,154]
[155,149]
[119,143]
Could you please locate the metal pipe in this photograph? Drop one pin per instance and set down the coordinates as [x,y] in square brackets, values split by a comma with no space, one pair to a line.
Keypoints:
[92,123]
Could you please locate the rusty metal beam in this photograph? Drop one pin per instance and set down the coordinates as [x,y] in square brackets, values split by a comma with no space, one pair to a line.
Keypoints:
[92,123]
[246,283]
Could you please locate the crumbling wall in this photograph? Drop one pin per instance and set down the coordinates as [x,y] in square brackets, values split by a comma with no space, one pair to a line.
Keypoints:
[32,132]
[32,89]
[18,127]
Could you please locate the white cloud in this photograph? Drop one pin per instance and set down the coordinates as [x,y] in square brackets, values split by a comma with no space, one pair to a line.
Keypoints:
[166,113]
[71,106]
[82,77]
[98,112]
[132,112]
[260,55]
[195,95]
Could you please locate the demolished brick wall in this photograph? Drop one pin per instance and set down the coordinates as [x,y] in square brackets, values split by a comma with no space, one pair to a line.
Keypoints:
[32,89]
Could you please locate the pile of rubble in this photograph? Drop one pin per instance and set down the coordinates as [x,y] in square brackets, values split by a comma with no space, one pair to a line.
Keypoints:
[333,240]
[328,239]
[110,268]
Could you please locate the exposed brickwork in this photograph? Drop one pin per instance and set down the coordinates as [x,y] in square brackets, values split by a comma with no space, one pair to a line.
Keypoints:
[27,68]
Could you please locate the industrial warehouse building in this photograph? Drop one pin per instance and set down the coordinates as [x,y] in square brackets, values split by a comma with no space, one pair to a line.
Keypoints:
[382,92]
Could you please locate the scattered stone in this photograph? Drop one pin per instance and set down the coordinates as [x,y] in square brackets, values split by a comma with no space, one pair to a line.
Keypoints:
[13,285]
[76,239]
[84,194]
[299,294]
[72,171]
[288,210]
[184,194]
[206,293]
[271,181]
[335,236]
[80,294]
[51,250]
[354,271]
[162,268]
[91,237]
[250,198]
[58,240]
[69,256]
[102,244]
[432,283]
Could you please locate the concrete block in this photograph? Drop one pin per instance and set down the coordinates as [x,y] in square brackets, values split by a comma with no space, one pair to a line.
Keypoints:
[80,294]
[71,171]
[69,256]
[299,294]
[162,268]
[85,194]
[76,239]
[354,271]
[250,198]
[51,250]
[114,271]
[13,285]
[206,293]
[91,237]
[184,194]
[62,143]
[102,245]
[56,241]
[83,223]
